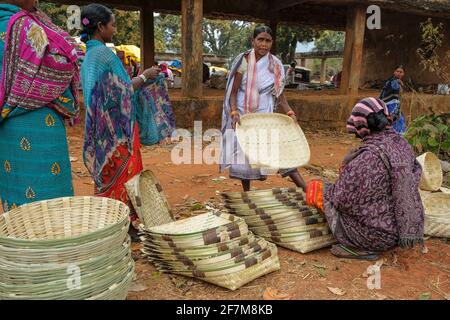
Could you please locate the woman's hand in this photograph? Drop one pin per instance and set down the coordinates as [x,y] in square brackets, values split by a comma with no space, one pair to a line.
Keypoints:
[151,73]
[294,117]
[235,119]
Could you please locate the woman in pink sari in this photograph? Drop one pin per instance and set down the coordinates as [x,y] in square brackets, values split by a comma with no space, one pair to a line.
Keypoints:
[39,80]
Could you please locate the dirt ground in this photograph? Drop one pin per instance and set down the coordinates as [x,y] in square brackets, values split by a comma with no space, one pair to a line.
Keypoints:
[405,274]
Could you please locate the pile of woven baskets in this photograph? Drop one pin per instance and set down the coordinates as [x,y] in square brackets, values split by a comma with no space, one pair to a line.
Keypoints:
[214,247]
[66,248]
[281,216]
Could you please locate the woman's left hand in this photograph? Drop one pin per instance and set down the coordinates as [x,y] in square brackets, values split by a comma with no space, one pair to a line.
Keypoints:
[294,117]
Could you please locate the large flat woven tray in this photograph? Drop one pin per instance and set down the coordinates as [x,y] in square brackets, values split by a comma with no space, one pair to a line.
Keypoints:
[272,140]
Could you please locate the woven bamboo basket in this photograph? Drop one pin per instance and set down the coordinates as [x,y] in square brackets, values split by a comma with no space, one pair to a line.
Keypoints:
[221,270]
[432,177]
[149,200]
[272,141]
[288,227]
[290,237]
[210,264]
[437,213]
[238,279]
[41,241]
[212,245]
[243,277]
[258,197]
[52,283]
[198,252]
[289,220]
[259,193]
[220,257]
[436,204]
[310,245]
[436,227]
[207,238]
[290,224]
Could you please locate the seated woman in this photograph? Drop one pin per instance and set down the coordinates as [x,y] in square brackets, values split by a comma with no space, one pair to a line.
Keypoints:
[375,204]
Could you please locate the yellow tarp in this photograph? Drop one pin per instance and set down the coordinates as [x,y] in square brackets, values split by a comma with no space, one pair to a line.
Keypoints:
[218,69]
[131,51]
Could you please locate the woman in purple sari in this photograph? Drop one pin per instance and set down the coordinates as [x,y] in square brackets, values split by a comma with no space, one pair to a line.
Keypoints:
[375,204]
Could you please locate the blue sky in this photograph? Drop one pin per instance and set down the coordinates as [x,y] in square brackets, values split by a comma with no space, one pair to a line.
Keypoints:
[305,47]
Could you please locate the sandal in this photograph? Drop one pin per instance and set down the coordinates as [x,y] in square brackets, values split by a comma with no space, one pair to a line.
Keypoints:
[344,252]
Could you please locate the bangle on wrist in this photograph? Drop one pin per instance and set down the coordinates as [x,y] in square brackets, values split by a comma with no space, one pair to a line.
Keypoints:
[234,113]
[143,78]
[290,113]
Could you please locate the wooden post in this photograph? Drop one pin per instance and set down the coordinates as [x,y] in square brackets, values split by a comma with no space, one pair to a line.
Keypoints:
[323,70]
[357,52]
[303,62]
[274,25]
[192,47]
[354,43]
[147,37]
[348,46]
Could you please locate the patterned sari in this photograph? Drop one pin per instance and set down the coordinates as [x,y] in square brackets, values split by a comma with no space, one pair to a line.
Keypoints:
[111,143]
[375,203]
[39,77]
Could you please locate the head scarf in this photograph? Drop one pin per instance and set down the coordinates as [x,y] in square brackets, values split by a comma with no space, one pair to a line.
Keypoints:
[357,123]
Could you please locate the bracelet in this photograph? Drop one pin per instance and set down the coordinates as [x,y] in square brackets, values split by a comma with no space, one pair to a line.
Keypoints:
[234,113]
[290,113]
[143,78]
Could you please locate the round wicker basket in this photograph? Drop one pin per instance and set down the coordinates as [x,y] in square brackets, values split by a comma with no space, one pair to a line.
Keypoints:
[66,248]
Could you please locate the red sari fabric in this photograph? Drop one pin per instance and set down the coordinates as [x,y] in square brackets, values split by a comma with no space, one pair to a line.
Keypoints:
[314,194]
[129,165]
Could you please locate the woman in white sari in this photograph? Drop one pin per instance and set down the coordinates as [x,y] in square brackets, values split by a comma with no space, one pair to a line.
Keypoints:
[255,84]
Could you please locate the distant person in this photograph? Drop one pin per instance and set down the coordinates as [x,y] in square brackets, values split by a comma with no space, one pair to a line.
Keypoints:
[337,79]
[290,73]
[206,75]
[167,73]
[391,96]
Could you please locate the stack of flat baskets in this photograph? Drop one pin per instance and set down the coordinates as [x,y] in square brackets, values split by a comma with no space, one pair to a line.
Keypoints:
[437,213]
[214,247]
[281,216]
[66,248]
